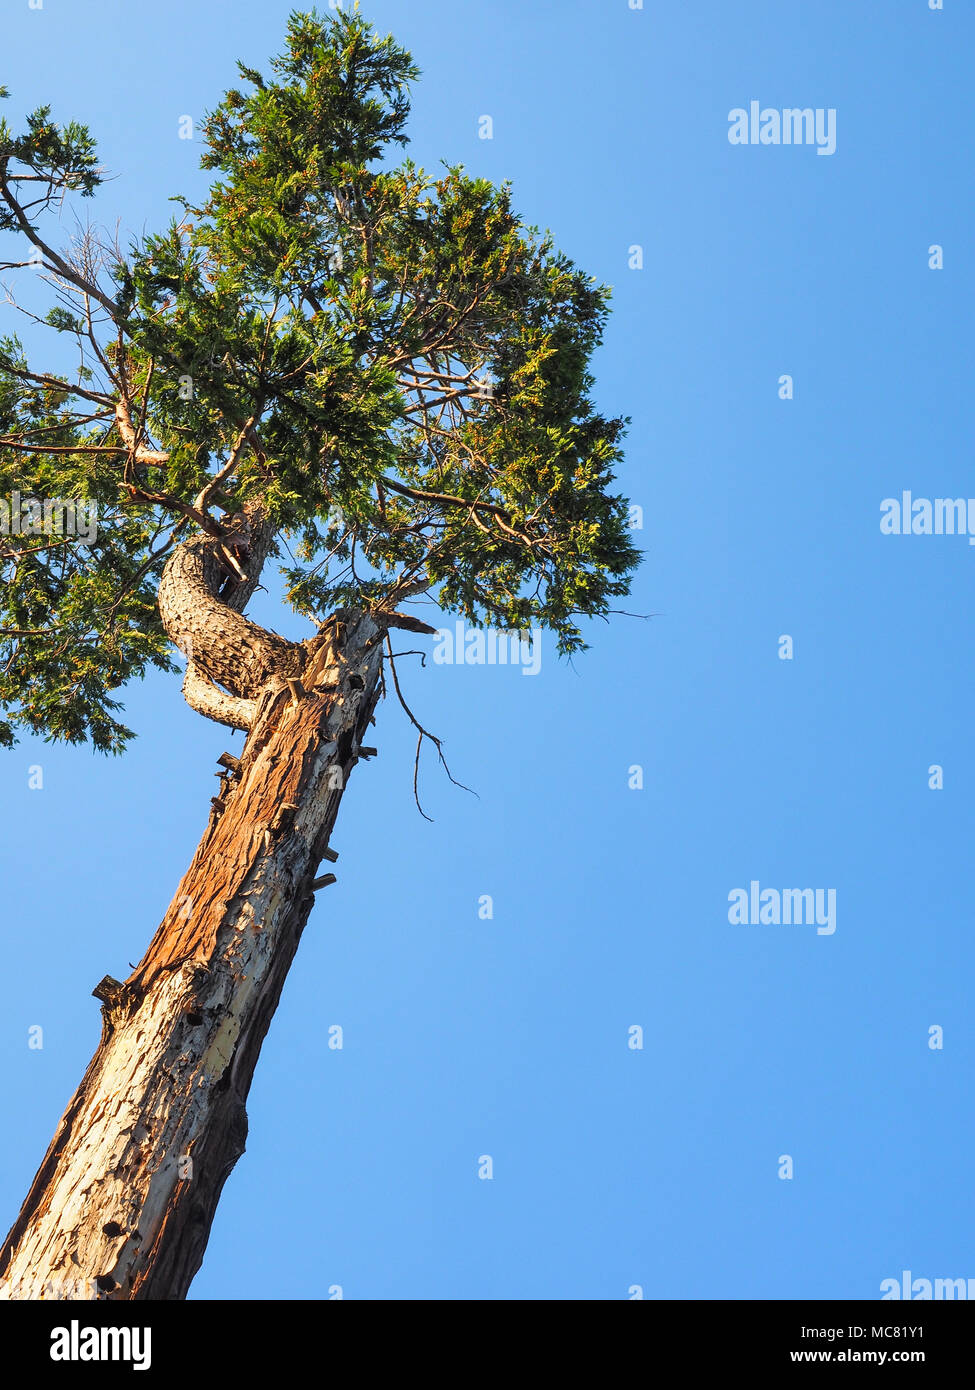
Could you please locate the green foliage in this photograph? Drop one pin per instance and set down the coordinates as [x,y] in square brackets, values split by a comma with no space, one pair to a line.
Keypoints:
[81,613]
[391,364]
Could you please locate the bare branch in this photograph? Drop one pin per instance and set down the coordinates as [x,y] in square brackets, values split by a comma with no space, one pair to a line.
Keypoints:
[423,733]
[57,263]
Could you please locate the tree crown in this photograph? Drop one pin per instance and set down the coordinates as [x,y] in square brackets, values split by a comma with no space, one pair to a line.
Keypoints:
[391,367]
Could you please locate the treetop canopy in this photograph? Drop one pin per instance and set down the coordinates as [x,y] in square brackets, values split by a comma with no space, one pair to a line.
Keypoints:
[388,365]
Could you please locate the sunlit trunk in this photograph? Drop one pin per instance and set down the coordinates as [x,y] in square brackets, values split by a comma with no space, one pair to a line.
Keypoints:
[122,1204]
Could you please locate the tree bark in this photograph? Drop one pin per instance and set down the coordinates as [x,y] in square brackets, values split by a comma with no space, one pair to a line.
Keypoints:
[122,1204]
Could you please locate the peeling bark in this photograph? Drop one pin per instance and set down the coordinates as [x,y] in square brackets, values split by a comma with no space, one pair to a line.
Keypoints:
[125,1197]
[115,1202]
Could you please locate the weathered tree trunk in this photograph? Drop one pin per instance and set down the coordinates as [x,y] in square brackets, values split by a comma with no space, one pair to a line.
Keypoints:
[122,1204]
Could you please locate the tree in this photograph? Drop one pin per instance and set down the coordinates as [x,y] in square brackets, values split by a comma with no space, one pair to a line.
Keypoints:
[389,372]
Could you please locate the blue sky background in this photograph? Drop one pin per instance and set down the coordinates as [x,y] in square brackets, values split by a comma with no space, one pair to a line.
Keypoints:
[612,1167]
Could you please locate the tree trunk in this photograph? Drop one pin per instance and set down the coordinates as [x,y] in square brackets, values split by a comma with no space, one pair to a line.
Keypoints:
[122,1204]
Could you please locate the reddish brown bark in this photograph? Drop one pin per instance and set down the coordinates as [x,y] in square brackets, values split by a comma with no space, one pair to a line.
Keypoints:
[122,1204]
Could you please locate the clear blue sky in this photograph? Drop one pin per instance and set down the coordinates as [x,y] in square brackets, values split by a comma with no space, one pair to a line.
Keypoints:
[612,1166]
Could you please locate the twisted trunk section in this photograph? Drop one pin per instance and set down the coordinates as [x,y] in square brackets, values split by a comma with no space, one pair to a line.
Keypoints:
[122,1204]
[202,594]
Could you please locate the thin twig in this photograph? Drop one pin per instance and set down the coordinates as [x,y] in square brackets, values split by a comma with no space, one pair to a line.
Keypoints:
[424,733]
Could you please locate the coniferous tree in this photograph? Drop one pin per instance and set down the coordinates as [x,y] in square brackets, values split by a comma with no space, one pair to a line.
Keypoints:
[390,372]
